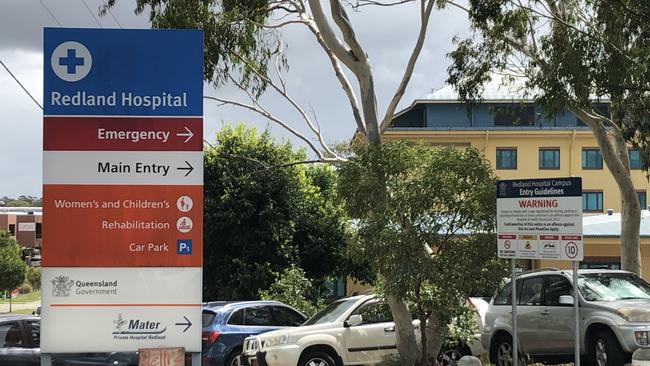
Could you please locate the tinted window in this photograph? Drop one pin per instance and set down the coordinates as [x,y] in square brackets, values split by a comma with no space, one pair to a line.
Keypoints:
[591,159]
[642,199]
[556,286]
[549,158]
[613,286]
[237,317]
[504,296]
[531,291]
[287,317]
[207,318]
[374,312]
[514,116]
[332,311]
[258,316]
[506,158]
[592,201]
[11,335]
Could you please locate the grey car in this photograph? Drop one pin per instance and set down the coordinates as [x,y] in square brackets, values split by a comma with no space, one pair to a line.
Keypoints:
[614,317]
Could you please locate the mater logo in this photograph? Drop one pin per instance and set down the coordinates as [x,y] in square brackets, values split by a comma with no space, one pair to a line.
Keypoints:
[136,326]
[61,286]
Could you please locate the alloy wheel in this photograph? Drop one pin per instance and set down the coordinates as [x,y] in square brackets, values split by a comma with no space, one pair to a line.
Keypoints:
[504,354]
[316,362]
[601,352]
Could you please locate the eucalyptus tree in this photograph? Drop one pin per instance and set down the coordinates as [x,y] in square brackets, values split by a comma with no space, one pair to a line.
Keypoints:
[571,54]
[244,48]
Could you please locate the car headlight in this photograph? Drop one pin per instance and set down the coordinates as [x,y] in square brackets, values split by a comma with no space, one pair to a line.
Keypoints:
[275,340]
[641,337]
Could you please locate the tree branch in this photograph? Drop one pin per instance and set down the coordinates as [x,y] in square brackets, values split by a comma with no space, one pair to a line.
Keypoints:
[263,112]
[425,15]
[329,37]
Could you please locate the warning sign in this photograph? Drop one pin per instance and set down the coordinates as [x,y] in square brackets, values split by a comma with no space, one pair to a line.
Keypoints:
[540,219]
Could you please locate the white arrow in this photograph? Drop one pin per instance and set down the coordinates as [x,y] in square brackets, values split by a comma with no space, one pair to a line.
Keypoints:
[187,134]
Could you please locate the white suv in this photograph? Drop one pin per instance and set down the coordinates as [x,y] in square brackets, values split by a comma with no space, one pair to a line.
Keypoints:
[352,331]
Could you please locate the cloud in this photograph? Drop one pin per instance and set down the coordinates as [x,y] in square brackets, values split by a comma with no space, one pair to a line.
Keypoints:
[388,34]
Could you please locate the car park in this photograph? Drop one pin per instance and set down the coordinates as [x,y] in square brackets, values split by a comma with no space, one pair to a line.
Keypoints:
[614,317]
[226,324]
[357,330]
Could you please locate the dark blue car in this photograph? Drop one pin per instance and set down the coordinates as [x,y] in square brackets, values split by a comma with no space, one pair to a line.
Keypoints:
[226,324]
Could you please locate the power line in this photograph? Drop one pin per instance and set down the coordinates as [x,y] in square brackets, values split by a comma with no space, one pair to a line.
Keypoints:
[50,12]
[111,13]
[92,14]
[21,85]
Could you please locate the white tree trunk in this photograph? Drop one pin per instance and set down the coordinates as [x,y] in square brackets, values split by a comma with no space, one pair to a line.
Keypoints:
[436,335]
[614,150]
[404,332]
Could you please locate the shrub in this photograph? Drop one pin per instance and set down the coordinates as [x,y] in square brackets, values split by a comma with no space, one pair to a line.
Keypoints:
[293,288]
[26,288]
[33,277]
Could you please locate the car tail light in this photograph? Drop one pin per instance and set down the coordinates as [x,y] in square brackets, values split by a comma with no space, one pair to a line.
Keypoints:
[210,337]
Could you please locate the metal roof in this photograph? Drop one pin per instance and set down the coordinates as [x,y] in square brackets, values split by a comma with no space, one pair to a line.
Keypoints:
[610,225]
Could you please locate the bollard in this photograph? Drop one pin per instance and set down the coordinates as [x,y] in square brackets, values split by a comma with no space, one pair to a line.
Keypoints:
[641,357]
[469,361]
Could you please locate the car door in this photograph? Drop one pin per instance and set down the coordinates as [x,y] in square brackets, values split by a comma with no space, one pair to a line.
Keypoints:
[557,322]
[368,342]
[528,314]
[15,348]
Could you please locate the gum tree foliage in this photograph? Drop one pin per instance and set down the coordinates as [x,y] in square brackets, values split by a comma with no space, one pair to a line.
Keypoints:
[243,47]
[571,54]
[294,289]
[12,268]
[431,199]
[262,215]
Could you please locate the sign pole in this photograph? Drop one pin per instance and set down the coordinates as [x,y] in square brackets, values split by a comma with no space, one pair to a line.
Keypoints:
[513,287]
[46,359]
[576,307]
[196,359]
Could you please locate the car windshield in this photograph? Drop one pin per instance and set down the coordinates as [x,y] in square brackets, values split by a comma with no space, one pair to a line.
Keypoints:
[613,286]
[331,312]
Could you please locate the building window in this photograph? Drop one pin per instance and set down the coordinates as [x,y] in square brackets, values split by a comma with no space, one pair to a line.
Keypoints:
[39,230]
[600,265]
[592,201]
[514,116]
[12,229]
[635,158]
[549,158]
[642,199]
[506,158]
[591,158]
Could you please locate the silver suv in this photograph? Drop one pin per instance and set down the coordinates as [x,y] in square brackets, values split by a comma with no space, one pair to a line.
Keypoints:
[614,313]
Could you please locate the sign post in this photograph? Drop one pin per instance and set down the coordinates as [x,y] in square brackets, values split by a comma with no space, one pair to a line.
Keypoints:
[540,219]
[122,190]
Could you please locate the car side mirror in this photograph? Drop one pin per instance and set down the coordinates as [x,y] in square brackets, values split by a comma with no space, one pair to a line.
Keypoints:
[353,320]
[566,300]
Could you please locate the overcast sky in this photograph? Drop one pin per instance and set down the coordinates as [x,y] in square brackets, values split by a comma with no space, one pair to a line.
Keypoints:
[388,35]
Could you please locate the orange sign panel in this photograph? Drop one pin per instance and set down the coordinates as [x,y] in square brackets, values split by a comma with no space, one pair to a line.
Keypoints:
[122,226]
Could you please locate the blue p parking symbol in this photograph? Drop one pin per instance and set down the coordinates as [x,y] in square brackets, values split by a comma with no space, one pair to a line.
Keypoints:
[183,247]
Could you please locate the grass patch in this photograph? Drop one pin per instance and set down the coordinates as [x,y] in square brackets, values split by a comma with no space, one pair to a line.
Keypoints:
[22,298]
[22,311]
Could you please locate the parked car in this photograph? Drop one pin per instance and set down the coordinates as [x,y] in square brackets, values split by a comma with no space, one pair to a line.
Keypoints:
[614,317]
[226,324]
[20,346]
[357,330]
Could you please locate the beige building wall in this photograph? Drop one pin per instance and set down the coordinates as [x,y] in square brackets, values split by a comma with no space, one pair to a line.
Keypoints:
[528,144]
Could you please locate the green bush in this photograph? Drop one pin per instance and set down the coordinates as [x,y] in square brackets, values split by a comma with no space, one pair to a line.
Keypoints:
[294,289]
[26,288]
[33,277]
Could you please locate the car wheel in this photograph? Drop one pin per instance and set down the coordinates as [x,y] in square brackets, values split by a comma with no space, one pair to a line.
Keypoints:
[503,352]
[451,356]
[235,359]
[605,350]
[317,359]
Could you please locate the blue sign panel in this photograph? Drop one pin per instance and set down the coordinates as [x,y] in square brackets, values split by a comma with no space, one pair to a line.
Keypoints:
[546,187]
[123,72]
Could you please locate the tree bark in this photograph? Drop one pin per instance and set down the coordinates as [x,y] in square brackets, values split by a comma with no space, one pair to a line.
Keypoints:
[436,334]
[614,152]
[404,332]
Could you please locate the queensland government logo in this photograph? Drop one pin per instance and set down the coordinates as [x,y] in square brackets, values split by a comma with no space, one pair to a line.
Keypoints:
[137,328]
[61,286]
[503,189]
